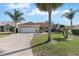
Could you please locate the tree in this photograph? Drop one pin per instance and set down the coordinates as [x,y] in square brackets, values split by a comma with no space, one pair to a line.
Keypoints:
[16,17]
[62,26]
[65,32]
[48,7]
[70,15]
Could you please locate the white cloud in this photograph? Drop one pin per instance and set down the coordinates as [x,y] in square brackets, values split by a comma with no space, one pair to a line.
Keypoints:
[58,11]
[19,6]
[36,11]
[65,11]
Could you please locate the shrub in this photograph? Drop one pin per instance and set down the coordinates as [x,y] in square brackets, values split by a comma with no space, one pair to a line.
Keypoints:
[41,28]
[41,31]
[62,26]
[75,31]
[12,29]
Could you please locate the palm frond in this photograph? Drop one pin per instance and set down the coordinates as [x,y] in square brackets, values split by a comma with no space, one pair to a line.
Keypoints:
[10,14]
[16,11]
[20,19]
[19,14]
[45,6]
[77,11]
[16,16]
[70,14]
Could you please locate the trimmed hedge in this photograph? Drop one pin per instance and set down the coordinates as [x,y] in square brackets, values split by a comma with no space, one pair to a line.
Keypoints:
[75,31]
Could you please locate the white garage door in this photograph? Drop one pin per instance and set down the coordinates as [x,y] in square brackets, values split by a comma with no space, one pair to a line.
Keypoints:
[28,30]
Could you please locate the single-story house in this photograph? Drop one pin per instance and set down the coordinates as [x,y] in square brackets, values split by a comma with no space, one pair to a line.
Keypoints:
[74,27]
[31,27]
[5,25]
[28,27]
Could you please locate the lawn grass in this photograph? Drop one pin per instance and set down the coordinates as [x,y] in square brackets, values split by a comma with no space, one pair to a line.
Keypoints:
[59,48]
[3,34]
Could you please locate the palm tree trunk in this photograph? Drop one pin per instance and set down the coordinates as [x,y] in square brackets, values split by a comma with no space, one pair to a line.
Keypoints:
[15,28]
[49,26]
[71,24]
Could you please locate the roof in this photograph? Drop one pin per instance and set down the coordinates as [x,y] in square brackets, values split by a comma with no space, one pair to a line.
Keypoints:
[28,23]
[43,24]
[3,23]
[40,23]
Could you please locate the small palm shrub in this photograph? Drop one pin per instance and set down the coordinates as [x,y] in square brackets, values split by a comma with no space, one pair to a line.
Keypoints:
[65,33]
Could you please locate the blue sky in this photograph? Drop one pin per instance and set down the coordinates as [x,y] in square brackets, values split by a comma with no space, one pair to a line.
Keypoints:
[32,14]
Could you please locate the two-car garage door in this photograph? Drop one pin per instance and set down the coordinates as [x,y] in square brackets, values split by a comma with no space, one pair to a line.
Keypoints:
[23,30]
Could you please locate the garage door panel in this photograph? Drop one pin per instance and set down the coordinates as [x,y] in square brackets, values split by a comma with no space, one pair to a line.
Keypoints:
[28,30]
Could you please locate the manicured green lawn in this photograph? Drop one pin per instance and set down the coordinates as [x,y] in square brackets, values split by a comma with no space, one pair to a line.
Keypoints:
[59,47]
[3,34]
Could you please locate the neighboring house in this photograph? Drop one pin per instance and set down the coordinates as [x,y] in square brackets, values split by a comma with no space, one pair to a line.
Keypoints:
[73,27]
[55,26]
[5,26]
[32,27]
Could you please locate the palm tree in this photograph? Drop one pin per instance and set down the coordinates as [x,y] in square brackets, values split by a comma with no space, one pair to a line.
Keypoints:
[70,15]
[48,7]
[16,17]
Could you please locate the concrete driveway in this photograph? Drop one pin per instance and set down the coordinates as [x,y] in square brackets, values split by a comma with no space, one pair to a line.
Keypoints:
[16,45]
